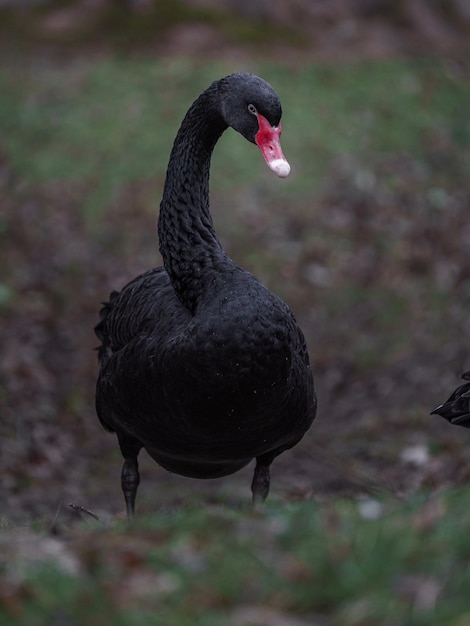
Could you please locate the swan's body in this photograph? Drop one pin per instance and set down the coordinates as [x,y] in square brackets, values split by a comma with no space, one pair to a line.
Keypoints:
[456,410]
[200,364]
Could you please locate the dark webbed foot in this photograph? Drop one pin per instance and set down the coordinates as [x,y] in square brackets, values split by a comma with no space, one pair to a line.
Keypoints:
[260,484]
[130,479]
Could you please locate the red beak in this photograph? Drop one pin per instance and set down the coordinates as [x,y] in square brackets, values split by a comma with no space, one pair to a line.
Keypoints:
[268,141]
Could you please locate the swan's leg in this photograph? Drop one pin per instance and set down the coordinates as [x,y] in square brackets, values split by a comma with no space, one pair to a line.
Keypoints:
[130,477]
[260,483]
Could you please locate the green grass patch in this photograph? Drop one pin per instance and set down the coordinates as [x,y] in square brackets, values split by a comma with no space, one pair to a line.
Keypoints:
[325,563]
[112,122]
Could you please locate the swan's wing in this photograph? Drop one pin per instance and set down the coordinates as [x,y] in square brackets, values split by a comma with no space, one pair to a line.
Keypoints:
[134,326]
[146,305]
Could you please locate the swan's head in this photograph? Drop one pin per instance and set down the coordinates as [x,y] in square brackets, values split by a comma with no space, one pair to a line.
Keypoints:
[252,107]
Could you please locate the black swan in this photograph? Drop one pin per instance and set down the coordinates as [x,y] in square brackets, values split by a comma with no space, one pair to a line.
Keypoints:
[456,409]
[200,364]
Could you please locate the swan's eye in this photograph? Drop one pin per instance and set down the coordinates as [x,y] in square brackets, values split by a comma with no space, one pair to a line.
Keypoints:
[252,109]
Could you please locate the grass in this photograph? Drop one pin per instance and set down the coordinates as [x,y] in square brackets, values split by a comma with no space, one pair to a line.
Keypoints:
[115,120]
[299,563]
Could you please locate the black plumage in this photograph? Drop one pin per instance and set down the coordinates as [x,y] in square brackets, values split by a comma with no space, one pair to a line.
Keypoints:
[456,409]
[200,364]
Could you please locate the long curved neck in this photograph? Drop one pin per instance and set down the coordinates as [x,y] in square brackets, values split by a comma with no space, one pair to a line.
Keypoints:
[188,242]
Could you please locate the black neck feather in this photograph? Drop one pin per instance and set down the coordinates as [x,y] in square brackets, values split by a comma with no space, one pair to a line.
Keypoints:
[188,242]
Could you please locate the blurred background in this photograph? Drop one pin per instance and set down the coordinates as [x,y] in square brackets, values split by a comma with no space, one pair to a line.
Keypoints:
[368,240]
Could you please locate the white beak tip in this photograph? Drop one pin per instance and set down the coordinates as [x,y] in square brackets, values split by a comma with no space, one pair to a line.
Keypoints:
[280,167]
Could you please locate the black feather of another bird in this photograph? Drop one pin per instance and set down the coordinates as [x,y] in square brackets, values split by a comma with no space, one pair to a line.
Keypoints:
[456,409]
